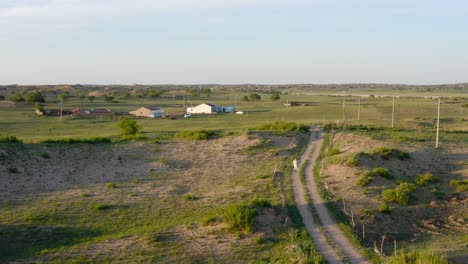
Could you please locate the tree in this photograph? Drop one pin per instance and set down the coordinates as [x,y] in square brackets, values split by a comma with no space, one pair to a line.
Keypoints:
[245,98]
[17,97]
[33,97]
[82,96]
[275,97]
[91,98]
[39,106]
[255,97]
[64,96]
[129,127]
[108,98]
[2,97]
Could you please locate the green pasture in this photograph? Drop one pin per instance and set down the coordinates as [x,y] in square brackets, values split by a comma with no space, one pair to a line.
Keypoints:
[410,113]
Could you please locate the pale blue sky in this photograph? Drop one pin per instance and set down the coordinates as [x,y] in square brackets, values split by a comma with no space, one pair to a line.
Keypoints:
[233,41]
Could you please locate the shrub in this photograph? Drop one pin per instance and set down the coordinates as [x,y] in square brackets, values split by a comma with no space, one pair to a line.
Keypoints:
[189,197]
[385,153]
[33,97]
[383,172]
[69,141]
[275,97]
[407,187]
[425,179]
[384,208]
[111,185]
[333,151]
[9,139]
[462,186]
[128,126]
[194,134]
[283,126]
[12,169]
[353,160]
[258,240]
[262,202]
[366,178]
[209,220]
[239,217]
[396,195]
[416,257]
[99,207]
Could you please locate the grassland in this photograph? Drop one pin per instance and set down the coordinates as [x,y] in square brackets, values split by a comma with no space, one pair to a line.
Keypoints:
[163,198]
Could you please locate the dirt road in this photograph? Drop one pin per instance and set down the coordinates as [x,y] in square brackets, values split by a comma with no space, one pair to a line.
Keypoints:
[330,226]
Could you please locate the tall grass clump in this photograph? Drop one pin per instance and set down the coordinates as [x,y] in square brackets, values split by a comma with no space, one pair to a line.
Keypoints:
[417,257]
[365,178]
[462,186]
[396,195]
[283,126]
[426,178]
[239,217]
[9,139]
[194,134]
[383,172]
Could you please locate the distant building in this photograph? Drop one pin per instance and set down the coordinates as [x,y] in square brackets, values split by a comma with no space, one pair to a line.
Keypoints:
[92,112]
[148,111]
[208,108]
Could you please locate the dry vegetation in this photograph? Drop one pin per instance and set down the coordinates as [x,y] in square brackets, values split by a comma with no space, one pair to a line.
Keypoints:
[364,172]
[140,201]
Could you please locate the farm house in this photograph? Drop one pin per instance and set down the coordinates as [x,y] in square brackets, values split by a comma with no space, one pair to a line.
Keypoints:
[207,108]
[148,111]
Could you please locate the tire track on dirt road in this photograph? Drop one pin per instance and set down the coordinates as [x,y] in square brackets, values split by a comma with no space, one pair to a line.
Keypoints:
[328,223]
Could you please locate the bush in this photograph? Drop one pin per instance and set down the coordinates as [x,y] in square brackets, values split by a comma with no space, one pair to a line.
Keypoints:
[366,178]
[385,153]
[283,126]
[33,97]
[462,186]
[9,139]
[275,97]
[239,217]
[189,197]
[255,97]
[407,187]
[194,134]
[383,172]
[333,151]
[262,202]
[416,257]
[128,127]
[99,207]
[396,195]
[111,185]
[384,208]
[426,178]
[94,140]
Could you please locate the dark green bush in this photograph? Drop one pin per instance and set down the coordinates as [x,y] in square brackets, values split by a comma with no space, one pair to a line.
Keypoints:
[239,217]
[10,139]
[426,178]
[262,202]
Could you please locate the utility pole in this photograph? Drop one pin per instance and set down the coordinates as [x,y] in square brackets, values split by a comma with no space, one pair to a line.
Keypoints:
[393,112]
[438,121]
[359,108]
[61,105]
[235,100]
[343,109]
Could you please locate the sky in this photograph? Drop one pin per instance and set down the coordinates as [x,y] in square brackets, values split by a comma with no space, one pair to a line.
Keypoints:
[233,41]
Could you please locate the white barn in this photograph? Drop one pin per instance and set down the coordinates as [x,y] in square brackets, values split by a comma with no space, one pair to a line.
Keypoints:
[205,108]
